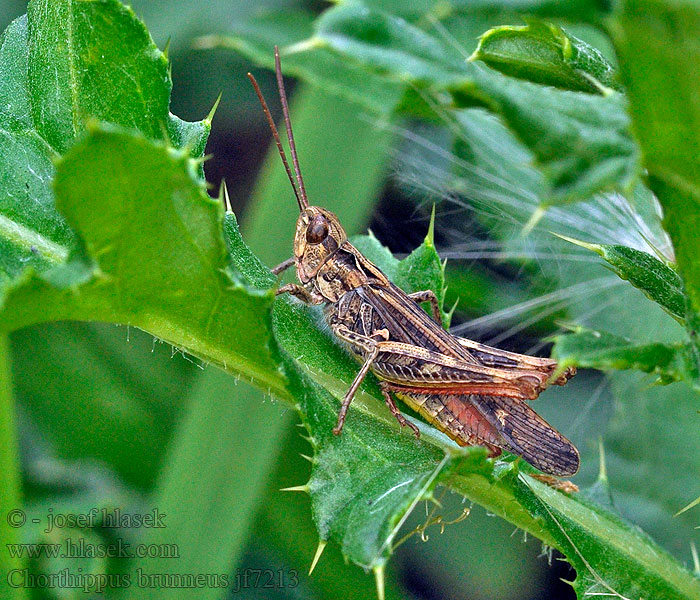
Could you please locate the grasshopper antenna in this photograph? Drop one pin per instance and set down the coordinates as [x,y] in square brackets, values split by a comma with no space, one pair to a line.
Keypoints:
[288,124]
[276,135]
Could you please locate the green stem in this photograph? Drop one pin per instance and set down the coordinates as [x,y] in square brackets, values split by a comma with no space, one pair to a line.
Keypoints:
[11,496]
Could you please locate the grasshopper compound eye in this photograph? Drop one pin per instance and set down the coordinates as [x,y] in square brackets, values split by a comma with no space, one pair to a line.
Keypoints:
[317,231]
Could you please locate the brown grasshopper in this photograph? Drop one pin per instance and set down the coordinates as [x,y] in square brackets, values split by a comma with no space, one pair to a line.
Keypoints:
[473,393]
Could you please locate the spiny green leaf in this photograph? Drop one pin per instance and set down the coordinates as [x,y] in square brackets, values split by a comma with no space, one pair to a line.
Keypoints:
[365,481]
[658,50]
[656,279]
[604,351]
[155,213]
[545,53]
[581,142]
[101,63]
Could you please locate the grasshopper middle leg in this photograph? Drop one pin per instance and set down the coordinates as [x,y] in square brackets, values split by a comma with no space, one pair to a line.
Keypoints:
[428,296]
[395,410]
[371,348]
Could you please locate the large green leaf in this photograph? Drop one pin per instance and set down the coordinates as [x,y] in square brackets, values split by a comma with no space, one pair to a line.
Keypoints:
[581,141]
[102,64]
[184,244]
[601,350]
[658,50]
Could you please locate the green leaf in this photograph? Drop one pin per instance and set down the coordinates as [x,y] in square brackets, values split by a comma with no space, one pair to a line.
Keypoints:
[157,213]
[604,351]
[364,482]
[295,536]
[545,53]
[388,44]
[214,475]
[580,141]
[421,270]
[658,49]
[303,58]
[107,68]
[659,281]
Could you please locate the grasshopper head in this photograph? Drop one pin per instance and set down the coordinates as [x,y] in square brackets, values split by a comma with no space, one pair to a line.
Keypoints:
[318,235]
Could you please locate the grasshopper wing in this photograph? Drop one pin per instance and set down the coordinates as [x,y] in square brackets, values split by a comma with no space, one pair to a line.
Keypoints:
[526,434]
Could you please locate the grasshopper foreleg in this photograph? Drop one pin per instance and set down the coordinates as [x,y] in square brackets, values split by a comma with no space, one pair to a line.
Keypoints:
[283,266]
[300,292]
[428,296]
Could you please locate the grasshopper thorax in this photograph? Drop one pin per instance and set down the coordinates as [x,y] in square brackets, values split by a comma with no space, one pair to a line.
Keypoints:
[318,236]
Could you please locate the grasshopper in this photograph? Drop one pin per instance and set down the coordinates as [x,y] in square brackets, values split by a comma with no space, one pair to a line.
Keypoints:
[474,393]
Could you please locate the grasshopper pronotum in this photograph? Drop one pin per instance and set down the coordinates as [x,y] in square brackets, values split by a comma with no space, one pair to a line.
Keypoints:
[473,393]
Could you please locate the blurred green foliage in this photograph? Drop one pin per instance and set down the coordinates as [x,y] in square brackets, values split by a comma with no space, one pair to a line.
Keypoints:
[112,417]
